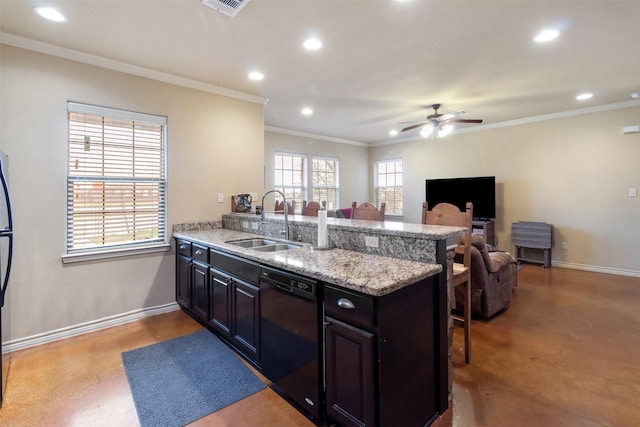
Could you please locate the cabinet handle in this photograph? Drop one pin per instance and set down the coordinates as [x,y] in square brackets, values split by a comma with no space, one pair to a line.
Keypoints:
[183,246]
[199,252]
[346,303]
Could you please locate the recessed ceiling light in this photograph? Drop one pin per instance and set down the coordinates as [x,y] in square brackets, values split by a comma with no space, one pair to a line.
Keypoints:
[256,75]
[50,13]
[546,36]
[584,96]
[307,111]
[393,132]
[312,44]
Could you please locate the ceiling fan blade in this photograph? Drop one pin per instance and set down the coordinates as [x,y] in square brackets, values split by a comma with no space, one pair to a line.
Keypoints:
[414,126]
[466,120]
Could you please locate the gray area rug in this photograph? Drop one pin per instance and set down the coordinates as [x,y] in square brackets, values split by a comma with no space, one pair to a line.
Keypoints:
[178,381]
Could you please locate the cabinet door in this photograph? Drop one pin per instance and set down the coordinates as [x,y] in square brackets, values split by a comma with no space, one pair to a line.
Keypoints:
[349,367]
[246,318]
[200,291]
[183,281]
[219,302]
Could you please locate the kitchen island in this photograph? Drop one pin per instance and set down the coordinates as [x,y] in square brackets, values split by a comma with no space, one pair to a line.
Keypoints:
[382,323]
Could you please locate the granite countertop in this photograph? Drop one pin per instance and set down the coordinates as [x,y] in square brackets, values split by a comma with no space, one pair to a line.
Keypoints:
[395,228]
[369,274]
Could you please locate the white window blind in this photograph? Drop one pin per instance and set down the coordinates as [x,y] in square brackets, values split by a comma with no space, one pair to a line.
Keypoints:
[116,178]
[388,181]
[325,182]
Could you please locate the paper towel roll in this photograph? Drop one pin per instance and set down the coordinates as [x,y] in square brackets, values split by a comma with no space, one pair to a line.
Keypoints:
[322,229]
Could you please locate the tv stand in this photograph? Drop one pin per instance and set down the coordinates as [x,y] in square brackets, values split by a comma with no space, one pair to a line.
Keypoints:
[485,227]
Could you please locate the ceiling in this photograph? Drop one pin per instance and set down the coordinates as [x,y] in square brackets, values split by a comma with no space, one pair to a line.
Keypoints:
[382,61]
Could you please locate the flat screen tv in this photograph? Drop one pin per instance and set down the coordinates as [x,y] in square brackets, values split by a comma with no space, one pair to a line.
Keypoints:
[481,191]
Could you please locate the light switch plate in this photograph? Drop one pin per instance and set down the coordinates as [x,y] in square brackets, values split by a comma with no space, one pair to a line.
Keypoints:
[254,225]
[245,224]
[633,192]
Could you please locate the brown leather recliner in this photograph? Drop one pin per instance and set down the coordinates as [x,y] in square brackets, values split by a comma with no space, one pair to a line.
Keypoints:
[493,277]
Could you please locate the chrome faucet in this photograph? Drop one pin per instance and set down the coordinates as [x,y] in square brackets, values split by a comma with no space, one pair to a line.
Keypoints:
[286,218]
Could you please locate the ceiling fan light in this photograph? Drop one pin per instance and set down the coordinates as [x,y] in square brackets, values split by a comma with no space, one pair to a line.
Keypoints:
[445,130]
[427,130]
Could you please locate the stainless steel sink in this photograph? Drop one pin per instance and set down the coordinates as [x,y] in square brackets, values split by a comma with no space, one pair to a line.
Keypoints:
[276,247]
[263,245]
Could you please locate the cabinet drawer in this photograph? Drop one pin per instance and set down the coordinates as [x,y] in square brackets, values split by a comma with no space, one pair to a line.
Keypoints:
[200,253]
[183,247]
[349,307]
[236,266]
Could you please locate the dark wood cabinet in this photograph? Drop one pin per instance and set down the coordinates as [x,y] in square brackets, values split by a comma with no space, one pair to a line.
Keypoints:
[183,281]
[349,368]
[192,278]
[234,302]
[200,290]
[381,356]
[245,318]
[219,302]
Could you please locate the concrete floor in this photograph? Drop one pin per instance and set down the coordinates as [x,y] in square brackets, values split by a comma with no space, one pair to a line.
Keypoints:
[566,353]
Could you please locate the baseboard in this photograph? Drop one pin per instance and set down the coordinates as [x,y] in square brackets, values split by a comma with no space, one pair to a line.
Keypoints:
[84,328]
[596,269]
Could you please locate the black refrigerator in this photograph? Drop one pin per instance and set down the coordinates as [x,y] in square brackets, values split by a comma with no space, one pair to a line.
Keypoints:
[6,253]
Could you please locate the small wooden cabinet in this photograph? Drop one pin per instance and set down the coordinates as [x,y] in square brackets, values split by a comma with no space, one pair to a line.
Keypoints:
[221,291]
[192,278]
[381,357]
[234,302]
[183,274]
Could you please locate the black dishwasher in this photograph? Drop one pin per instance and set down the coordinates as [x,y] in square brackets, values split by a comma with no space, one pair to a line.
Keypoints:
[289,321]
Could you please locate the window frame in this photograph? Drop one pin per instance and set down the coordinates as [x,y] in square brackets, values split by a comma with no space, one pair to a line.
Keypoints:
[389,210]
[302,188]
[335,188]
[110,250]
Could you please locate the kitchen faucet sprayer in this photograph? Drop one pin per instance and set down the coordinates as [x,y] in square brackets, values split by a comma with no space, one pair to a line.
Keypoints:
[286,218]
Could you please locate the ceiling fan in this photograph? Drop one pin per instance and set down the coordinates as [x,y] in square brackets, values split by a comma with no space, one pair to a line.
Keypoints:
[439,125]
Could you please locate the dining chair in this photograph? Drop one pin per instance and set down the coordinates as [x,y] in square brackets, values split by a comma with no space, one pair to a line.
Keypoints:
[310,208]
[279,207]
[448,214]
[368,210]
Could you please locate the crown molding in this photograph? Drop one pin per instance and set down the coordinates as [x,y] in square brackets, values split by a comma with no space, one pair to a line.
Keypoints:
[99,61]
[314,136]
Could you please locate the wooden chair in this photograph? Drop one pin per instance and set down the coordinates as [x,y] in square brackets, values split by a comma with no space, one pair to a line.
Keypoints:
[368,211]
[310,209]
[448,214]
[279,207]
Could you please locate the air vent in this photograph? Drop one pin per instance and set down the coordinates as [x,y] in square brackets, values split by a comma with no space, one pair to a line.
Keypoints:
[228,7]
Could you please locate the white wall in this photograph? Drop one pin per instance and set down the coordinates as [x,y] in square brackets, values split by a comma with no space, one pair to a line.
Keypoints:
[572,172]
[215,144]
[354,161]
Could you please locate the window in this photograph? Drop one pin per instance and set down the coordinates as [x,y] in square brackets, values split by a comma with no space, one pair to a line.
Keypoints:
[116,179]
[290,177]
[325,182]
[388,185]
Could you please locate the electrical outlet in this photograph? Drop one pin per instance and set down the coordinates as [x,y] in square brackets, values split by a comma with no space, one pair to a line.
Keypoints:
[371,241]
[245,224]
[564,246]
[633,192]
[254,196]
[220,197]
[254,225]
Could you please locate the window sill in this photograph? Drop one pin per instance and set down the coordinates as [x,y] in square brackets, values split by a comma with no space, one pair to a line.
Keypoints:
[114,253]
